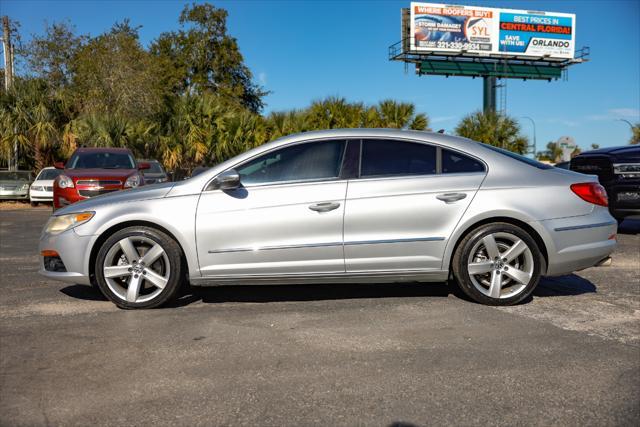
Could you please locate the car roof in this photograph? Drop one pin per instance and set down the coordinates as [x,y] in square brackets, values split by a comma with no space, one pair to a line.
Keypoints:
[625,149]
[102,150]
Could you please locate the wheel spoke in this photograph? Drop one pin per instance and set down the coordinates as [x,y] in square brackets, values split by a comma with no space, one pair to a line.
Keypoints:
[515,250]
[154,278]
[117,271]
[129,250]
[153,254]
[134,288]
[480,267]
[491,246]
[496,285]
[518,275]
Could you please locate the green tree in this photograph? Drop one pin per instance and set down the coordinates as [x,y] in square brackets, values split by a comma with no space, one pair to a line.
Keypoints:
[494,129]
[51,56]
[202,57]
[114,75]
[635,137]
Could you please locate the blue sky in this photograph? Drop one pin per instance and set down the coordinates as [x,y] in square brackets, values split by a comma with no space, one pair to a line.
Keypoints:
[302,51]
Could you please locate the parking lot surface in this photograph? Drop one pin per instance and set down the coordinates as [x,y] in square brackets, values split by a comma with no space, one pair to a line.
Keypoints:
[410,354]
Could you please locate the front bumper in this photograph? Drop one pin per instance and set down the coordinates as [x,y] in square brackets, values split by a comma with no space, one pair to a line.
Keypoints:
[74,251]
[40,196]
[14,195]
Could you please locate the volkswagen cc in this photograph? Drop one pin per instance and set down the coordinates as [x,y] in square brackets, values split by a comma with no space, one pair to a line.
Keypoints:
[339,206]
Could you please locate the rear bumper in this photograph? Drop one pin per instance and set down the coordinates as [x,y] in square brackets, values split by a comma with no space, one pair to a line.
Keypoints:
[579,242]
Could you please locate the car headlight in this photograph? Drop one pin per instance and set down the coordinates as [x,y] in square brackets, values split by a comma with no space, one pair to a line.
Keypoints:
[60,223]
[627,170]
[161,180]
[65,182]
[36,188]
[132,182]
[24,187]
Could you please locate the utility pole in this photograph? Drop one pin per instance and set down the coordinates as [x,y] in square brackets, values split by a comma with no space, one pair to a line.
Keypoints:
[8,76]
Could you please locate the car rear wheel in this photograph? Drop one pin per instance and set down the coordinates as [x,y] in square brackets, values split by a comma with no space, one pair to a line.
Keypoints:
[139,267]
[498,264]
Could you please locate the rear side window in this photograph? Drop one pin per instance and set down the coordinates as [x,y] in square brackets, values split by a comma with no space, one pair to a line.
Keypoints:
[301,162]
[454,162]
[396,158]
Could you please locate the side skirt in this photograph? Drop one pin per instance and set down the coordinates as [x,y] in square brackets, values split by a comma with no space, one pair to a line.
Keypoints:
[288,279]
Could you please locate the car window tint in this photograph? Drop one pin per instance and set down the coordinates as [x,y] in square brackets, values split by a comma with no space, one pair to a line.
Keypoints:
[101,160]
[310,161]
[47,174]
[393,158]
[453,162]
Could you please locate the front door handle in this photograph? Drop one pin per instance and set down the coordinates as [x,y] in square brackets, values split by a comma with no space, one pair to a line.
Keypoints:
[451,197]
[324,207]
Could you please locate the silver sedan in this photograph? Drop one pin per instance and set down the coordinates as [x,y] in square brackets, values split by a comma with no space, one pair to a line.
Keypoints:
[339,206]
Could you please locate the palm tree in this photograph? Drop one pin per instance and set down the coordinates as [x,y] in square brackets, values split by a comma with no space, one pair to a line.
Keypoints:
[494,129]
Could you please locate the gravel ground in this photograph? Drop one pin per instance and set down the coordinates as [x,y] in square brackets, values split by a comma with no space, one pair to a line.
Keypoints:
[410,354]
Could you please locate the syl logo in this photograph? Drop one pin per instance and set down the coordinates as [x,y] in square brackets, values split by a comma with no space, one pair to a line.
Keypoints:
[477,29]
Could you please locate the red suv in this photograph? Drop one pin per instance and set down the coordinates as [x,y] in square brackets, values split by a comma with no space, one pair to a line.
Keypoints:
[94,171]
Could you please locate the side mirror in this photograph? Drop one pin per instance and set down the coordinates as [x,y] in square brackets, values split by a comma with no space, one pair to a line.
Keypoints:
[227,180]
[143,166]
[58,165]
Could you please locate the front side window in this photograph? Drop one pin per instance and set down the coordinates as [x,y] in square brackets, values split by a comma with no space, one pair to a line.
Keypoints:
[302,162]
[397,158]
[101,160]
[454,162]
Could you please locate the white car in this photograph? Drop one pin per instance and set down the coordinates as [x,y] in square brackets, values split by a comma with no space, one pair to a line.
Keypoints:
[42,188]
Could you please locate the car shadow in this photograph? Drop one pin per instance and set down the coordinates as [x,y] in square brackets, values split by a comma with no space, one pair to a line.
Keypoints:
[310,292]
[83,292]
[629,226]
[549,287]
[569,285]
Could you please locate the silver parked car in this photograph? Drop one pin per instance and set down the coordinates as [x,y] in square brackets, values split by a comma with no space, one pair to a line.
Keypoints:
[359,205]
[14,185]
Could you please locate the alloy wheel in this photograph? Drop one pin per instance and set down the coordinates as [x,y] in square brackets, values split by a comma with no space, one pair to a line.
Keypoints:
[500,265]
[136,269]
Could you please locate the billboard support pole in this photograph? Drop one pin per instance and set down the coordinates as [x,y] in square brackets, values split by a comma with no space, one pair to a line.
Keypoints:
[488,94]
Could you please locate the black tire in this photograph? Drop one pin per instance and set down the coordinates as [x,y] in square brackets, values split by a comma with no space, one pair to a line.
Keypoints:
[173,253]
[34,204]
[463,252]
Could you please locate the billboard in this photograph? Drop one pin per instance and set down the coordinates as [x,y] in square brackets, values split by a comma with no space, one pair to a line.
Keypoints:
[440,28]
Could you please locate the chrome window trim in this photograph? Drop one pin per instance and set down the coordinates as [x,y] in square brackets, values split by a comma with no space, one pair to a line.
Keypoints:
[580,227]
[329,244]
[346,140]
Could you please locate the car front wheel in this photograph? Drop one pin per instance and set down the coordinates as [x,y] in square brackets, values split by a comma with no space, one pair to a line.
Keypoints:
[139,267]
[498,264]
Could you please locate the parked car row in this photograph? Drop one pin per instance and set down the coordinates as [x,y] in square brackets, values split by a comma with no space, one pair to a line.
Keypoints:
[89,172]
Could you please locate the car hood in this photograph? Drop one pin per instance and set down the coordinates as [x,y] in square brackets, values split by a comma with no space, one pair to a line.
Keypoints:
[123,196]
[99,173]
[45,182]
[13,182]
[153,175]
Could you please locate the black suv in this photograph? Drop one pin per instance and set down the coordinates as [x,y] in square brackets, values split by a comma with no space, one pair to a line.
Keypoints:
[618,170]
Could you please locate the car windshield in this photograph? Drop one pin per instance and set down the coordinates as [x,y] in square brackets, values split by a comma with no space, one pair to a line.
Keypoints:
[15,176]
[47,174]
[518,157]
[154,167]
[101,160]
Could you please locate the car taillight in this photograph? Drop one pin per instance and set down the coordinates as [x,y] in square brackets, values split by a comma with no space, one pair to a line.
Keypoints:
[591,192]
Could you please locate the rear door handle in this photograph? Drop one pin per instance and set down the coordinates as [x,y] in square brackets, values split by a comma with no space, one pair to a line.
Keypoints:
[324,207]
[451,197]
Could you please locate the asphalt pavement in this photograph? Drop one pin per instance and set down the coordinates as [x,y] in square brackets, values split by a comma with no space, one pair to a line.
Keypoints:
[378,354]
